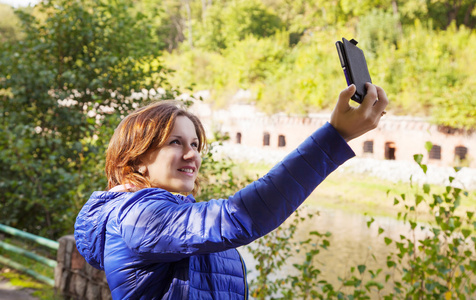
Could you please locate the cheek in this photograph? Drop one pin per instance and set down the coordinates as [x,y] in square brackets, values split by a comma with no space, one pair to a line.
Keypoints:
[199,162]
[160,165]
[156,172]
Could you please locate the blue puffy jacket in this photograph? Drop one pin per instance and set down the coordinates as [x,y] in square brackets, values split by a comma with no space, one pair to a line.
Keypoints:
[156,245]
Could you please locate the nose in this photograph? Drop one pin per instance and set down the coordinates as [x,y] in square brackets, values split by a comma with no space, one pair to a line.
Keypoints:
[189,153]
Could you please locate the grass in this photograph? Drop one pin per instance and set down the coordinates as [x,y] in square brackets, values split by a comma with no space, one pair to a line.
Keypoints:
[357,193]
[40,290]
[372,196]
[23,281]
[30,263]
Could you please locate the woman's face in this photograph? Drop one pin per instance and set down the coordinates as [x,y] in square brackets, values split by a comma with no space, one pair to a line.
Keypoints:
[174,167]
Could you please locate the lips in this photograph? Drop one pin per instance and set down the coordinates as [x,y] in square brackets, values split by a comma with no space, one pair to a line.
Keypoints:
[187,170]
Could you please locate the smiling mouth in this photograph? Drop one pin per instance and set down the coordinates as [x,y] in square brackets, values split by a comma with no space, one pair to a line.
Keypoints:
[186,170]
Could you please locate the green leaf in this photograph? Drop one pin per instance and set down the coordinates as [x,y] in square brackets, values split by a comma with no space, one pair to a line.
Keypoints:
[376,284]
[353,282]
[361,268]
[418,199]
[418,158]
[424,168]
[426,188]
[370,222]
[391,264]
[437,199]
[388,241]
[466,232]
[428,146]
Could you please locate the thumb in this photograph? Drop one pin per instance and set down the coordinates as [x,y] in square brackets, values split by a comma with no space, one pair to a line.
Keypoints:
[344,97]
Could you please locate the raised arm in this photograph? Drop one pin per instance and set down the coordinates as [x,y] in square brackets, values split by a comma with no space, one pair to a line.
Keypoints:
[167,230]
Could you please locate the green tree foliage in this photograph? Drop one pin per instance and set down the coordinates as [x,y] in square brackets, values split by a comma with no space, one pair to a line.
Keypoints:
[378,28]
[9,24]
[442,264]
[210,31]
[74,59]
[429,74]
[426,72]
[444,13]
[417,50]
[166,20]
[218,176]
[225,24]
[174,18]
[63,88]
[301,15]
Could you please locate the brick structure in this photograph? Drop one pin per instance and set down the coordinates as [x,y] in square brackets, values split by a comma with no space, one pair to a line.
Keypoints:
[396,138]
[75,278]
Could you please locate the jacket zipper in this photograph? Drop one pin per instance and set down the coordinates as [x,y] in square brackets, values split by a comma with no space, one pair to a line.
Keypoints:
[244,274]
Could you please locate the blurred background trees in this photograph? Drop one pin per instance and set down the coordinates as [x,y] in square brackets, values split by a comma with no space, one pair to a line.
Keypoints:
[284,52]
[65,80]
[70,68]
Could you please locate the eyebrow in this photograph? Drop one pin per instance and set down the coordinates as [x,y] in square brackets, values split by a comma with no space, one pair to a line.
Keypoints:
[180,137]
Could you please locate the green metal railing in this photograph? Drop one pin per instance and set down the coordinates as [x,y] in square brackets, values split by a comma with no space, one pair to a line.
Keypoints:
[38,240]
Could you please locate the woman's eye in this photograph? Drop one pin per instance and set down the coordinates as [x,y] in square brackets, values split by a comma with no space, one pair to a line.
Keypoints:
[194,145]
[175,142]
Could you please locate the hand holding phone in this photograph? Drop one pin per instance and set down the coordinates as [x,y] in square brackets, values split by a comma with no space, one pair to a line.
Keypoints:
[355,68]
[353,121]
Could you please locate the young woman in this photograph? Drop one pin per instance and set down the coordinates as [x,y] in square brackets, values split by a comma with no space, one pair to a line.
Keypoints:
[156,243]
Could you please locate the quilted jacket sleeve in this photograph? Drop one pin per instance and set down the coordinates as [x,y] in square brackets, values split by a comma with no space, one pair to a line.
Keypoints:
[167,231]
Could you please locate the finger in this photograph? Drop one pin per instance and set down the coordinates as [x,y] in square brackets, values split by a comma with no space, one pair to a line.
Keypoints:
[382,100]
[370,97]
[344,96]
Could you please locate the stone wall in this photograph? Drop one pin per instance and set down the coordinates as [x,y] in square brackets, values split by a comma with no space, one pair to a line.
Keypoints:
[75,278]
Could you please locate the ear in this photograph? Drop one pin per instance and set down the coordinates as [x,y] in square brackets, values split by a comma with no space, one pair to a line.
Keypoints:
[142,169]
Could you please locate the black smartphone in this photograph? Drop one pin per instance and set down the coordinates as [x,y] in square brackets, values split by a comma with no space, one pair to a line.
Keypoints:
[355,68]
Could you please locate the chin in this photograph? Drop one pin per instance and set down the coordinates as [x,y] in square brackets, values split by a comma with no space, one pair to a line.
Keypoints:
[189,190]
[185,189]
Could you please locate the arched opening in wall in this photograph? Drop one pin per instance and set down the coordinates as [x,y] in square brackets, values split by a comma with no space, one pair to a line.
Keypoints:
[238,138]
[368,147]
[281,141]
[460,153]
[435,152]
[390,149]
[266,139]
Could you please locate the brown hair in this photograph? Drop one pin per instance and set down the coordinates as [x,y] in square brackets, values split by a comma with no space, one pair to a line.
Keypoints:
[146,128]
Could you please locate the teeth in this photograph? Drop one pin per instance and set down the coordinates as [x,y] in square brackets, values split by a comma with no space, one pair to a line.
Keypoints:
[187,170]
